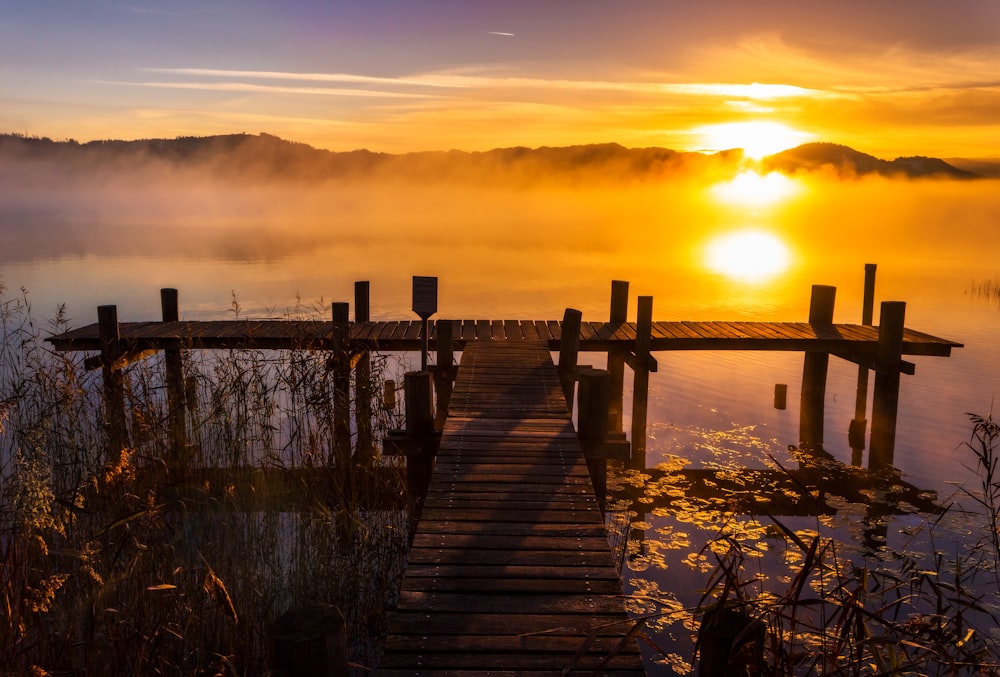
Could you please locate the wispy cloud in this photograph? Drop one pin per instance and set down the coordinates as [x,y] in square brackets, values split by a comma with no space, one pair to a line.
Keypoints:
[259,88]
[501,33]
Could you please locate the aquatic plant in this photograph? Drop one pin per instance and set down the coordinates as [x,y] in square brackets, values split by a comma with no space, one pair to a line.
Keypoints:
[122,561]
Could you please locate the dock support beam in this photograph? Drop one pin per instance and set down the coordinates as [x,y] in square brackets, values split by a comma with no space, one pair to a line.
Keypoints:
[173,364]
[417,386]
[885,402]
[114,381]
[856,432]
[569,348]
[364,452]
[444,372]
[592,427]
[616,356]
[814,370]
[341,425]
[640,379]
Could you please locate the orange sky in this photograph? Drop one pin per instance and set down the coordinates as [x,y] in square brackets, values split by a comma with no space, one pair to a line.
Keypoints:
[891,78]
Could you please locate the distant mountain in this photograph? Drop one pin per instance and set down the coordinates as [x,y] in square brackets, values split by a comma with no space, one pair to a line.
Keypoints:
[846,161]
[268,158]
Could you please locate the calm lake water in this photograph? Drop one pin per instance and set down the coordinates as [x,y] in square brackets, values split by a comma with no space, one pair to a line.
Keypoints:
[528,254]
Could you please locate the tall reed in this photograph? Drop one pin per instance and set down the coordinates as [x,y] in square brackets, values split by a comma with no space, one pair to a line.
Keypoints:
[119,563]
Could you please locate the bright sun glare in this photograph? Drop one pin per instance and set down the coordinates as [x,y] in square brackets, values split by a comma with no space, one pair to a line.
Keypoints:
[757,139]
[750,189]
[748,255]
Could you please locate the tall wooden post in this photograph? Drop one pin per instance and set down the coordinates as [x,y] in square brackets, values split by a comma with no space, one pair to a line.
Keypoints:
[616,356]
[417,386]
[364,391]
[174,366]
[885,399]
[592,428]
[856,432]
[444,373]
[640,379]
[569,348]
[114,382]
[814,370]
[341,389]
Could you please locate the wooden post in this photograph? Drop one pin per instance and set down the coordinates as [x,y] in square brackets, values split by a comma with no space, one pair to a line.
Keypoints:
[856,432]
[814,370]
[417,386]
[569,348]
[592,427]
[730,642]
[114,382]
[173,364]
[616,356]
[885,399]
[364,391]
[444,333]
[640,379]
[341,389]
[309,642]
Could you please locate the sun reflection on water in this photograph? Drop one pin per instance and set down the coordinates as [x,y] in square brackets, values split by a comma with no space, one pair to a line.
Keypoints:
[751,189]
[748,255]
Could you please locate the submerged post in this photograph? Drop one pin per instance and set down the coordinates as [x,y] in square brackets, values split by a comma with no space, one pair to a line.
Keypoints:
[640,379]
[814,371]
[364,391]
[885,398]
[856,432]
[569,348]
[174,366]
[114,382]
[616,356]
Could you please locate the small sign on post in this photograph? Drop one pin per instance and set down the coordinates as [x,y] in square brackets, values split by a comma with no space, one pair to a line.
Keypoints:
[425,304]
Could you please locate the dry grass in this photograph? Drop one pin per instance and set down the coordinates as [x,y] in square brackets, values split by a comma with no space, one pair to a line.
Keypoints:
[116,563]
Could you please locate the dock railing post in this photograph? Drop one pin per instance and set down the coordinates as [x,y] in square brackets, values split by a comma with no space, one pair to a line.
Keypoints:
[856,432]
[417,388]
[114,381]
[616,356]
[444,333]
[592,427]
[569,348]
[885,398]
[363,388]
[814,371]
[173,364]
[640,379]
[341,391]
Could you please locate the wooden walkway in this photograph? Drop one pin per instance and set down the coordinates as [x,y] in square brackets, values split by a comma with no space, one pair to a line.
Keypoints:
[594,336]
[510,571]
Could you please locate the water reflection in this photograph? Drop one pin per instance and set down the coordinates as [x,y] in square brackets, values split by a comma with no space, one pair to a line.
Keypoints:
[748,255]
[751,189]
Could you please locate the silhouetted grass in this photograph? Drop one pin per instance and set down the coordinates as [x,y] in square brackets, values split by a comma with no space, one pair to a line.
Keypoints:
[123,563]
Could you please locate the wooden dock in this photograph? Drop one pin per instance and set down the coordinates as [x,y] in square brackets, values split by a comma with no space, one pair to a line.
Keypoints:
[510,571]
[594,336]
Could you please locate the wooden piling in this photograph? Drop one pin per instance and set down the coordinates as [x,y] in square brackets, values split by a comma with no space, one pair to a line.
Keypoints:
[364,392]
[616,356]
[640,379]
[341,388]
[592,427]
[885,398]
[114,380]
[814,371]
[173,364]
[569,348]
[856,432]
[444,372]
[418,393]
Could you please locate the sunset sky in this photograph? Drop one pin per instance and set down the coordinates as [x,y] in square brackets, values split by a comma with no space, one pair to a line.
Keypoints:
[888,77]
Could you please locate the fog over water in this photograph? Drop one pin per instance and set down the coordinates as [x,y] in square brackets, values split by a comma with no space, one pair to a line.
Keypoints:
[526,247]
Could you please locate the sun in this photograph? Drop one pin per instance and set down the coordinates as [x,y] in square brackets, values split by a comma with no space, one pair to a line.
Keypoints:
[757,138]
[751,189]
[748,255]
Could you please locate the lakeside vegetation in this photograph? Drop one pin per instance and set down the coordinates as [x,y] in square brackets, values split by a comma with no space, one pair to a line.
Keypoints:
[112,566]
